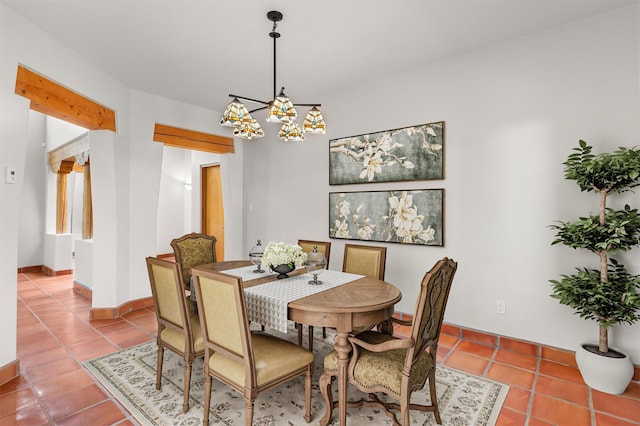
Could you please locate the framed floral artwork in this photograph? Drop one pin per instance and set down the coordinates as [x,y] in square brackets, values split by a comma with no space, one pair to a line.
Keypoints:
[410,153]
[407,217]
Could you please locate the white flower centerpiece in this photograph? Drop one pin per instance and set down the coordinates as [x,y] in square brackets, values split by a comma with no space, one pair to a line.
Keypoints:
[283,258]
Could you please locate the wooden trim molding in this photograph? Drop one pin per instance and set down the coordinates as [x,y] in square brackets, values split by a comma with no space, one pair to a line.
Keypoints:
[190,139]
[9,372]
[82,290]
[51,273]
[51,98]
[117,312]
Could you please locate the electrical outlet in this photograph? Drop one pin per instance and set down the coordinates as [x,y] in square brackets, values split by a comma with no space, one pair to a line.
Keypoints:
[501,307]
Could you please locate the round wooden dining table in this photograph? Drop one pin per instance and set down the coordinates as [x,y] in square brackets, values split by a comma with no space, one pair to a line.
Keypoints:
[358,303]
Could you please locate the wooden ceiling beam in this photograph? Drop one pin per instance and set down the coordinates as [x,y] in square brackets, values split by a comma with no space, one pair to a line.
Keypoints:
[50,98]
[190,139]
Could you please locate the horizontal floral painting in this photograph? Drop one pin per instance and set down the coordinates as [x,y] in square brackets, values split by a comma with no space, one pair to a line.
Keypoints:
[411,153]
[408,217]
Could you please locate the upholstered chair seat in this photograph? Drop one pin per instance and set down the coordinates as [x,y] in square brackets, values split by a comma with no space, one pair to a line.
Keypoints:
[273,358]
[382,368]
[176,339]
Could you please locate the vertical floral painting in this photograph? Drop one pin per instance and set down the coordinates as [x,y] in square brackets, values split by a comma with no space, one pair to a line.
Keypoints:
[410,153]
[408,217]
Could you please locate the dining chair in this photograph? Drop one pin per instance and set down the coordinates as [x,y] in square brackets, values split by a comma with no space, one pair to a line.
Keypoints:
[365,260]
[178,329]
[192,250]
[249,362]
[396,367]
[324,247]
[369,261]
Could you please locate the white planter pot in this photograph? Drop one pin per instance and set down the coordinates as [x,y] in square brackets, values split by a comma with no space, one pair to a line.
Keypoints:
[610,375]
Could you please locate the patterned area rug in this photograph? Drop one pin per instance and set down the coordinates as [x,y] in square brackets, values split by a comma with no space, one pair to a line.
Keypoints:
[129,375]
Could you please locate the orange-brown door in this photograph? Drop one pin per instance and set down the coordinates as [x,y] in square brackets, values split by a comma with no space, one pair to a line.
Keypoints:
[212,207]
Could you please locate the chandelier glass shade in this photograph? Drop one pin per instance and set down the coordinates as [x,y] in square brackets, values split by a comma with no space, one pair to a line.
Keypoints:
[279,110]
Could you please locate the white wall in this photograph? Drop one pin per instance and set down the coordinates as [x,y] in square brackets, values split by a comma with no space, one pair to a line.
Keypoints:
[32,225]
[513,113]
[149,206]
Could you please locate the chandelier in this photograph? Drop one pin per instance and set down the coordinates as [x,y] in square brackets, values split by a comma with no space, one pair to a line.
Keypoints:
[280,108]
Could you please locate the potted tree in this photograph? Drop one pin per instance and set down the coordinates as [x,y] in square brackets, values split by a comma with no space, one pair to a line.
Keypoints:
[610,294]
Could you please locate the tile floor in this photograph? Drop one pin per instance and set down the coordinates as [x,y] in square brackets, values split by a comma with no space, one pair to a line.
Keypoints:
[55,336]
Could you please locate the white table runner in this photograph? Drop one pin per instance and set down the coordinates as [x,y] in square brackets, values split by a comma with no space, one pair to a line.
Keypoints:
[267,303]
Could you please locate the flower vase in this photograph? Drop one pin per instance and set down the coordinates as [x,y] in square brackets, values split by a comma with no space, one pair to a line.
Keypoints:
[282,270]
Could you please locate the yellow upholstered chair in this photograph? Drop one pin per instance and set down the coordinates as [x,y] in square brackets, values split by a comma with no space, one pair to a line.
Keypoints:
[178,329]
[192,250]
[365,260]
[249,362]
[369,261]
[398,366]
[324,247]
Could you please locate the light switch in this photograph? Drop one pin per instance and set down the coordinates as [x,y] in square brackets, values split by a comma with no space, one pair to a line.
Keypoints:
[9,175]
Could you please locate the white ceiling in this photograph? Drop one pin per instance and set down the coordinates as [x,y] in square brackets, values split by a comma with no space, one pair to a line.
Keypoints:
[200,51]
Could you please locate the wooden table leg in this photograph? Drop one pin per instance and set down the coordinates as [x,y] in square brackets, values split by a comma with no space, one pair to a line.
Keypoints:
[343,349]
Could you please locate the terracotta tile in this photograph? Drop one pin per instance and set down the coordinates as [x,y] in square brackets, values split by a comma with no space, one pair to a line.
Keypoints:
[106,413]
[537,422]
[46,355]
[115,327]
[126,422]
[47,342]
[402,330]
[96,353]
[519,346]
[137,340]
[146,325]
[510,375]
[516,359]
[517,399]
[98,323]
[127,336]
[467,362]
[58,384]
[559,356]
[479,337]
[559,412]
[27,329]
[568,391]
[90,345]
[30,416]
[636,373]
[451,330]
[560,371]
[509,417]
[620,406]
[65,404]
[476,349]
[43,372]
[78,336]
[17,400]
[633,390]
[138,313]
[605,420]
[66,325]
[446,341]
[442,354]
